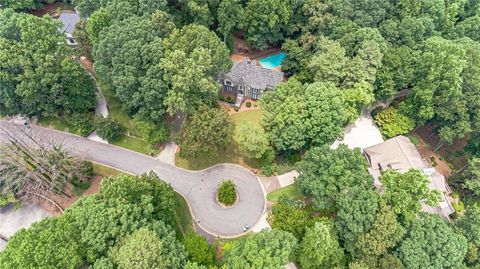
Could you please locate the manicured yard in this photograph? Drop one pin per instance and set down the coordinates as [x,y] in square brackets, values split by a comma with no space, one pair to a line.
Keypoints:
[202,162]
[291,191]
[250,116]
[230,155]
[136,144]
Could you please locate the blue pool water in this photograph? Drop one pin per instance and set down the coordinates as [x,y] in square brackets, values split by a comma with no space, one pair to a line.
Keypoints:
[273,60]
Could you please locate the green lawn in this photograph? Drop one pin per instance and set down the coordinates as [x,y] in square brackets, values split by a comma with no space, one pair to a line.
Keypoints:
[182,216]
[230,155]
[226,156]
[105,171]
[136,144]
[57,124]
[250,116]
[291,191]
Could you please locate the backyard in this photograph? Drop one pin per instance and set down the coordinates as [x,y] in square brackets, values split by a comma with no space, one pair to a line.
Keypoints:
[228,155]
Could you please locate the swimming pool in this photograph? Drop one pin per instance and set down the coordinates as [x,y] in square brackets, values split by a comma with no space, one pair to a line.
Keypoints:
[273,61]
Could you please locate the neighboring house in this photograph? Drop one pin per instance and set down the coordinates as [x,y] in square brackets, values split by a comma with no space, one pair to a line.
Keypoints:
[400,154]
[246,79]
[69,19]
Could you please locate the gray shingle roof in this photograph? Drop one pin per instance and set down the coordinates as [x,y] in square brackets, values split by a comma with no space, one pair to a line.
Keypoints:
[249,74]
[69,20]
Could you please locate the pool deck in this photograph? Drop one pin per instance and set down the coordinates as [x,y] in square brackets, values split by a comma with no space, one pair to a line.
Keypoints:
[238,57]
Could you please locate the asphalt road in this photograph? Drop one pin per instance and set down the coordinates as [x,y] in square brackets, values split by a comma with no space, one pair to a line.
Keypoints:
[197,187]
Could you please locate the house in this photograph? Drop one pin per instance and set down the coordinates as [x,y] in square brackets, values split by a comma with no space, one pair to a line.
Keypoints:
[69,19]
[247,79]
[400,154]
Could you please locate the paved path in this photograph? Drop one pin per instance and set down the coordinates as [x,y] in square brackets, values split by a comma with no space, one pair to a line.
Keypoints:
[197,187]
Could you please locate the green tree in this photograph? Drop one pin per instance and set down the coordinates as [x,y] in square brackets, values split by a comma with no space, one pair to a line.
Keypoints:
[437,93]
[97,225]
[108,129]
[356,214]
[127,58]
[37,73]
[266,249]
[205,132]
[252,140]
[194,56]
[230,16]
[264,20]
[320,248]
[53,242]
[87,7]
[432,243]
[81,36]
[329,61]
[198,249]
[403,191]
[99,20]
[365,12]
[20,4]
[226,193]
[151,132]
[470,227]
[291,218]
[392,122]
[325,174]
[297,116]
[472,175]
[385,234]
[141,249]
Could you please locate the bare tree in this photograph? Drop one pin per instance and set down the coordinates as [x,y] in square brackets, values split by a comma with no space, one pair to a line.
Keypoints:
[35,165]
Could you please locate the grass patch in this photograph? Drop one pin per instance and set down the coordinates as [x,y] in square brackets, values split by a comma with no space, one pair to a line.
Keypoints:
[104,171]
[250,116]
[182,216]
[292,191]
[57,124]
[228,155]
[135,144]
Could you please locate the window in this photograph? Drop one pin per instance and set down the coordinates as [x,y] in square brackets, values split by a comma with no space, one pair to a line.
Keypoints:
[228,85]
[256,93]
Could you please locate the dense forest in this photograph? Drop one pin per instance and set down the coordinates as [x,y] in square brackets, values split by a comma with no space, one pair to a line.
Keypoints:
[161,58]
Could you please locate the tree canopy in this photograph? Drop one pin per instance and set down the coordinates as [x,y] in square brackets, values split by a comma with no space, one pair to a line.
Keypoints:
[266,249]
[431,243]
[327,174]
[97,226]
[37,75]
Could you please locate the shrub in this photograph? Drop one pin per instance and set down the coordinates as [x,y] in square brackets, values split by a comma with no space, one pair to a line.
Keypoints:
[108,129]
[229,99]
[198,249]
[226,192]
[236,109]
[248,104]
[393,123]
[82,123]
[255,105]
[151,132]
[269,169]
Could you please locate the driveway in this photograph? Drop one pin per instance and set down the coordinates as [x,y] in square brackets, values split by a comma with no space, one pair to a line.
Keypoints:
[197,187]
[12,220]
[363,133]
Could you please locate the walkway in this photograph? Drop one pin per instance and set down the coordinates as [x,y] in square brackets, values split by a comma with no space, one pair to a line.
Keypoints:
[197,187]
